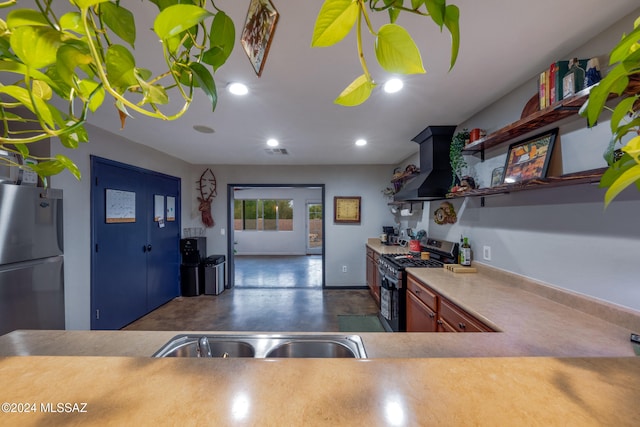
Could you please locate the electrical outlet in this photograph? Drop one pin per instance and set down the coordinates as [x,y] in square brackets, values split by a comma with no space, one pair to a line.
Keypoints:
[222,231]
[486,253]
[344,268]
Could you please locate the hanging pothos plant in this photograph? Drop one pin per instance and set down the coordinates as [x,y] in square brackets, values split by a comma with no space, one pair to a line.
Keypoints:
[395,50]
[623,78]
[73,59]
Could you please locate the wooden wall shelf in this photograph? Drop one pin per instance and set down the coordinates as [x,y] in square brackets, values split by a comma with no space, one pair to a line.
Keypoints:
[585,177]
[560,110]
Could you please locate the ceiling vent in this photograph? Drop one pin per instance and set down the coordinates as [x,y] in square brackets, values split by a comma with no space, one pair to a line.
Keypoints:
[282,151]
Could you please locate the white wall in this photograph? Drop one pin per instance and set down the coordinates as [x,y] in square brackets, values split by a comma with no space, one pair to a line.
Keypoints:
[344,244]
[77,220]
[561,236]
[271,242]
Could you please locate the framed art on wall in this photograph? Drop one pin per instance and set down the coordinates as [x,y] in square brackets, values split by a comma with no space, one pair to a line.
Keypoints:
[529,159]
[346,210]
[257,33]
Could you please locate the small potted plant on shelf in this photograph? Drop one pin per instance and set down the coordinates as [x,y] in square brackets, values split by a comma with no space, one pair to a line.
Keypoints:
[456,158]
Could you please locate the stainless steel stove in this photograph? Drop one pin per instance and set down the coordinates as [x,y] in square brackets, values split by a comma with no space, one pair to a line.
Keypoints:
[393,278]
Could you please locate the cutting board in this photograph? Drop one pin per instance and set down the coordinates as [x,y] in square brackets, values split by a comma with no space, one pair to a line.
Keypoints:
[457,268]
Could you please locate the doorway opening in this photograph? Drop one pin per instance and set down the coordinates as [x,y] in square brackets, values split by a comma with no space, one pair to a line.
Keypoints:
[276,236]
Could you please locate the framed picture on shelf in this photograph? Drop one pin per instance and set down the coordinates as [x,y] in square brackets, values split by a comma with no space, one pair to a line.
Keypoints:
[346,210]
[496,176]
[529,159]
[257,32]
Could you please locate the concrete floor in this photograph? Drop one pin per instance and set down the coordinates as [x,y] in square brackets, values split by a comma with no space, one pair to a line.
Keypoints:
[273,297]
[278,271]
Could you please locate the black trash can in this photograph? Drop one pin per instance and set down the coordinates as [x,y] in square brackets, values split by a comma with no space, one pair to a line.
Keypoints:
[214,275]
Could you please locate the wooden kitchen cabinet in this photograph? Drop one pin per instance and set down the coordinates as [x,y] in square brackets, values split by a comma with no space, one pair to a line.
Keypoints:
[428,311]
[453,319]
[372,274]
[420,317]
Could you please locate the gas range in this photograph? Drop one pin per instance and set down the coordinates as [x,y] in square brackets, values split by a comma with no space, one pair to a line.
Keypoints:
[440,252]
[393,278]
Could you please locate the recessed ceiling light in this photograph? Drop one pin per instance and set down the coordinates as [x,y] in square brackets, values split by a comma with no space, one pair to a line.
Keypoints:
[272,142]
[393,85]
[361,142]
[238,88]
[203,129]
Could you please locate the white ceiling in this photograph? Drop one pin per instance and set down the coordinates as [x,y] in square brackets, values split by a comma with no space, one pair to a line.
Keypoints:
[503,44]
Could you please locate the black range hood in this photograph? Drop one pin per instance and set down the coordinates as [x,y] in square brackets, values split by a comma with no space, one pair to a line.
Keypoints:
[435,176]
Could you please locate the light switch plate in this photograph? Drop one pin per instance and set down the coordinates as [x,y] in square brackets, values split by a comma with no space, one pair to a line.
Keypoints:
[486,253]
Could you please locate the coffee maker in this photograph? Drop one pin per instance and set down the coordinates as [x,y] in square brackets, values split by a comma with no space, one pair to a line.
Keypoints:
[389,236]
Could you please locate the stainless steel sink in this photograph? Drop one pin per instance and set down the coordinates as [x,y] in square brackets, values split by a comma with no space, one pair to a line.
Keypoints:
[264,346]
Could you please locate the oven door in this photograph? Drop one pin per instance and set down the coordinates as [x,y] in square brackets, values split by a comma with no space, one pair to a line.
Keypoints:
[388,297]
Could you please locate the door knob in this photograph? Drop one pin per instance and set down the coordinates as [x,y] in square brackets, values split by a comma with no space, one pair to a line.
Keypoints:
[149,247]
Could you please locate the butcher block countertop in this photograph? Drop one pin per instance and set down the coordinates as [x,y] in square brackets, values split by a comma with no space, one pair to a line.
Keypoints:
[554,361]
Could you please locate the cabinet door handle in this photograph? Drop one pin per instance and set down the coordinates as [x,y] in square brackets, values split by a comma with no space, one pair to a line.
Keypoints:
[417,291]
[461,325]
[431,315]
[439,322]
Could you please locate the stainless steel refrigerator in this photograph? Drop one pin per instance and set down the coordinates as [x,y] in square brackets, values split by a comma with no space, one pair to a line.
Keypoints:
[31,258]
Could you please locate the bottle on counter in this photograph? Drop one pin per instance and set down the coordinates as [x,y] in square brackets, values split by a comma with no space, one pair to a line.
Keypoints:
[460,250]
[465,252]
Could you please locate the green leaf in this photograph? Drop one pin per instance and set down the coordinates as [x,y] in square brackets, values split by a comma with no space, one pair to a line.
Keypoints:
[163,4]
[415,4]
[222,38]
[624,48]
[74,136]
[72,21]
[35,46]
[393,14]
[85,4]
[334,21]
[42,90]
[69,165]
[5,50]
[616,169]
[93,92]
[120,21]
[22,96]
[214,57]
[205,81]
[356,93]
[452,22]
[18,68]
[437,10]
[626,179]
[397,52]
[178,18]
[68,58]
[152,93]
[611,83]
[120,68]
[20,17]
[23,149]
[621,110]
[48,168]
[633,148]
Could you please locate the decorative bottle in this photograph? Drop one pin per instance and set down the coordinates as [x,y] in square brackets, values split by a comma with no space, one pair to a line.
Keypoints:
[573,81]
[465,251]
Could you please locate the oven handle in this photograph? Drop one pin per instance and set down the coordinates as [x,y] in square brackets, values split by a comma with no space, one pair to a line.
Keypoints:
[390,280]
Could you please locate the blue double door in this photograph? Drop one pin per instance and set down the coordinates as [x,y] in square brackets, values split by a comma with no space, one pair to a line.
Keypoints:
[135,262]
